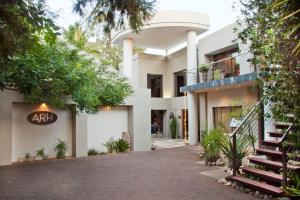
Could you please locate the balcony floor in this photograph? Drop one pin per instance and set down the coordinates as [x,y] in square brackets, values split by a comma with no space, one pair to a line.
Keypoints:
[245,79]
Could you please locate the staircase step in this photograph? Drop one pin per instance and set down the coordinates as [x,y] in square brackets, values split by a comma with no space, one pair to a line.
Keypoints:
[271,143]
[281,125]
[273,165]
[265,175]
[256,185]
[275,134]
[273,154]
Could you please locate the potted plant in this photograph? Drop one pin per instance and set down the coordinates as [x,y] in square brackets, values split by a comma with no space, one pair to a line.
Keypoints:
[237,69]
[203,69]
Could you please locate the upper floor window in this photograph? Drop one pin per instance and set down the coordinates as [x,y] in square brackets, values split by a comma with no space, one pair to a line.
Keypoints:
[155,83]
[180,80]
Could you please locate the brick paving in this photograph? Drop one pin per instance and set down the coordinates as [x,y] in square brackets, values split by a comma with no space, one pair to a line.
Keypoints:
[166,174]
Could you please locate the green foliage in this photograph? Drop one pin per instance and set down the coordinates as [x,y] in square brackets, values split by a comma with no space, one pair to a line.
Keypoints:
[20,23]
[173,127]
[76,35]
[93,152]
[41,153]
[243,143]
[113,14]
[61,149]
[121,145]
[217,74]
[204,68]
[273,30]
[50,72]
[293,189]
[110,145]
[212,144]
[27,157]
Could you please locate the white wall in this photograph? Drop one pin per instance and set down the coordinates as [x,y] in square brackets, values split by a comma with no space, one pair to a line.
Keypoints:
[28,137]
[106,124]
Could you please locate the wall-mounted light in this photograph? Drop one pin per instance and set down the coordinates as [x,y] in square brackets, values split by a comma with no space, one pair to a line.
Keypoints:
[43,107]
[106,107]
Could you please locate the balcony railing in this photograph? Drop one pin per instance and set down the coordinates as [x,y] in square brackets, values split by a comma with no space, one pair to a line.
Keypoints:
[225,68]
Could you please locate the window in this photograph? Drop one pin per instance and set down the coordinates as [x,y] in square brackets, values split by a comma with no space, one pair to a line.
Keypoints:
[180,80]
[221,116]
[154,82]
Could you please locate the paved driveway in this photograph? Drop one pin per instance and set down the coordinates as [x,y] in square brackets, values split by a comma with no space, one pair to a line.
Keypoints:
[171,174]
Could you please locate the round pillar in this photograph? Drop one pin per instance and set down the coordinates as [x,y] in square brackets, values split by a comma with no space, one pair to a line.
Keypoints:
[127,58]
[192,79]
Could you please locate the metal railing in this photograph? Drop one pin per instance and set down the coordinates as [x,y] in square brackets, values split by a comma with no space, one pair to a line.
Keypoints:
[255,121]
[225,68]
[252,124]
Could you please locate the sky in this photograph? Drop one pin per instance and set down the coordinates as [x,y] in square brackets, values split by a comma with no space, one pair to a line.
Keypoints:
[221,12]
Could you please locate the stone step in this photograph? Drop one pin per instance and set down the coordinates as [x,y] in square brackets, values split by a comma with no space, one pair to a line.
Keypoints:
[256,185]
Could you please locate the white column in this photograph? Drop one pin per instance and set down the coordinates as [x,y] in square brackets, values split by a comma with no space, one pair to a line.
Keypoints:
[191,79]
[127,58]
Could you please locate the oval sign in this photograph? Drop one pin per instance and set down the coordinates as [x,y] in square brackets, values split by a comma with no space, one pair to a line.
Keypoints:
[42,117]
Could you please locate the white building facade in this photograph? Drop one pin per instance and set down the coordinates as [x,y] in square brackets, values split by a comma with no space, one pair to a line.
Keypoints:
[165,86]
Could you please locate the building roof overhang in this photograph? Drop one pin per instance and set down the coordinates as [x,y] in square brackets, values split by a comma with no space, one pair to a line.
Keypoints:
[165,30]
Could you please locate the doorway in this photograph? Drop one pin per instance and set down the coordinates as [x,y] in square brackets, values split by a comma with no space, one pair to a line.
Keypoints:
[157,124]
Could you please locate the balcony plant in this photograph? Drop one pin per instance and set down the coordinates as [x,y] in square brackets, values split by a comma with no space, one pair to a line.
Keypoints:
[203,69]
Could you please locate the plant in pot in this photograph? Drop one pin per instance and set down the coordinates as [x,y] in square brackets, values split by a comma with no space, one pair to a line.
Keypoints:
[243,144]
[61,149]
[203,69]
[173,127]
[212,144]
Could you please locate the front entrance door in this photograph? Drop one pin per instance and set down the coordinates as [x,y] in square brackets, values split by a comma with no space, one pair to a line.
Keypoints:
[185,123]
[157,121]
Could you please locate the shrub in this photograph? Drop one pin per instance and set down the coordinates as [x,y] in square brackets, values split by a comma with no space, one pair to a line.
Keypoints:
[121,145]
[61,149]
[110,145]
[41,153]
[27,157]
[212,144]
[173,127]
[93,152]
[243,144]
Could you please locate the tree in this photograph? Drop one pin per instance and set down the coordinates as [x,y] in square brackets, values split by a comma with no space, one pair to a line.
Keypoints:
[20,21]
[113,14]
[51,71]
[107,54]
[273,29]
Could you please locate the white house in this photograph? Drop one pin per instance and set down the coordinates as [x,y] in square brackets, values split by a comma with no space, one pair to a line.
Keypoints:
[164,85]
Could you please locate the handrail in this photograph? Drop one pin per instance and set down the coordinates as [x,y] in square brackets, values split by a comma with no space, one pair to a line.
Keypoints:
[219,61]
[246,118]
[285,135]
